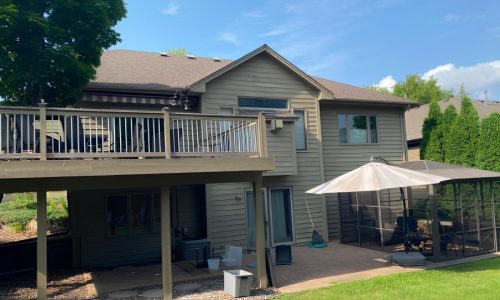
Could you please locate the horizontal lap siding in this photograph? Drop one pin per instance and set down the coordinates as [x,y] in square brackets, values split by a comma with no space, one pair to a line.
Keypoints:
[339,159]
[263,77]
[96,249]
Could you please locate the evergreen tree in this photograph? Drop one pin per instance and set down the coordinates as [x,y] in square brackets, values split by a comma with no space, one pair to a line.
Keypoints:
[461,146]
[488,152]
[430,123]
[449,117]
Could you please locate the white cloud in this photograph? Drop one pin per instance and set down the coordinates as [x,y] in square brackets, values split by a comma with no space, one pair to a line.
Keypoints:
[273,32]
[171,9]
[475,78]
[461,18]
[229,37]
[387,82]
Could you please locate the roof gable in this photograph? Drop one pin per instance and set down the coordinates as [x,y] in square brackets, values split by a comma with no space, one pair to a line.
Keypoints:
[199,86]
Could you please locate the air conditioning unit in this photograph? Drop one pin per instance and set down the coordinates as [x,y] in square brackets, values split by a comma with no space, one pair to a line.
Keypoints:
[276,125]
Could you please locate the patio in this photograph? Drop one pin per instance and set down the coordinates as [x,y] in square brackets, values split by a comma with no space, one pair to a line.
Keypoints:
[311,268]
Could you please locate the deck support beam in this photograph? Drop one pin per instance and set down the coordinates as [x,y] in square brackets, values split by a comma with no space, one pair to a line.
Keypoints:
[41,244]
[166,247]
[260,237]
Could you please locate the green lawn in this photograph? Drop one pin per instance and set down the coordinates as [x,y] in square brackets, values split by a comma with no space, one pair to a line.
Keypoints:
[475,280]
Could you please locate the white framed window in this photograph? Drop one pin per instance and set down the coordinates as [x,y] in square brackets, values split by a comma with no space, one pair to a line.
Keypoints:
[300,129]
[357,129]
[253,103]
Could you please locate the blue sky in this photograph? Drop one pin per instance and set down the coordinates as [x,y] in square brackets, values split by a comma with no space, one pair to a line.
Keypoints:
[356,42]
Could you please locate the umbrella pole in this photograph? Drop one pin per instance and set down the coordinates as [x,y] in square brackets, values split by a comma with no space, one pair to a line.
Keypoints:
[380,221]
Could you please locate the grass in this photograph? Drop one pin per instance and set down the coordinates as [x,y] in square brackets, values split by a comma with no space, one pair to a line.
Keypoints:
[474,280]
[18,212]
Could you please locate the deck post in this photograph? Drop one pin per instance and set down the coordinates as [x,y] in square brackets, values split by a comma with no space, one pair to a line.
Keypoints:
[166,247]
[166,132]
[43,131]
[260,237]
[436,238]
[41,244]
[261,121]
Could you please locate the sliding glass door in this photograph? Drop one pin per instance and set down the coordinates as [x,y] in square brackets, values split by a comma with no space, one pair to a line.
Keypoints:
[281,215]
[277,216]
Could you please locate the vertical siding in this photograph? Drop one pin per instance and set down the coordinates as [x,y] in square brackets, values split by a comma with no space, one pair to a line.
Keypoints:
[339,159]
[262,76]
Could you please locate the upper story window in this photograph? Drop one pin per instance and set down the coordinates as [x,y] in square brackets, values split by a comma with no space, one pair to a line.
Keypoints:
[300,130]
[262,103]
[357,129]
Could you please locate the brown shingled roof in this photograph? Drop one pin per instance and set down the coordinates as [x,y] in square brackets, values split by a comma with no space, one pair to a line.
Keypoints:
[148,71]
[415,117]
[131,70]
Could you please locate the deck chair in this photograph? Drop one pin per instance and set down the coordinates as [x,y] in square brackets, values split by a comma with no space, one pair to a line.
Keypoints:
[55,135]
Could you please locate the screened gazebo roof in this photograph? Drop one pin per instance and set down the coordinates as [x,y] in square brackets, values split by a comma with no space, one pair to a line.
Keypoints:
[453,172]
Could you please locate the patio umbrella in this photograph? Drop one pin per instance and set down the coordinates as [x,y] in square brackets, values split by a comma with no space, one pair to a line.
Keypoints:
[375,176]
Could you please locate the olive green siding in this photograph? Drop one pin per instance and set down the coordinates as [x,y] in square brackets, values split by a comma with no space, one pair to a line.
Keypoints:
[93,248]
[340,158]
[262,76]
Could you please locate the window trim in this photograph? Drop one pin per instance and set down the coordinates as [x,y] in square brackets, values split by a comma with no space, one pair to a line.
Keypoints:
[367,115]
[306,135]
[287,99]
[129,199]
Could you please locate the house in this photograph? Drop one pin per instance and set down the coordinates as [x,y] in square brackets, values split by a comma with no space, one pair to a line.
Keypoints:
[237,137]
[415,120]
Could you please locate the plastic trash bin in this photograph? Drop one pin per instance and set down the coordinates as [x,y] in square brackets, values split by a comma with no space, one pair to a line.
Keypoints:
[213,264]
[237,283]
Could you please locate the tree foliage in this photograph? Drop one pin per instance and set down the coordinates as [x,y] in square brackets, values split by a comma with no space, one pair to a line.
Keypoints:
[488,152]
[49,49]
[379,89]
[178,51]
[430,123]
[461,146]
[449,117]
[421,90]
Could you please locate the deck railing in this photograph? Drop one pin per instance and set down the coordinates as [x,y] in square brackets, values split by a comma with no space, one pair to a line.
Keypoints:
[60,133]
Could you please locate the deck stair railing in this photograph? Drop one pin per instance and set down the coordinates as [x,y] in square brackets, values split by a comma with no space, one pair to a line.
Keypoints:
[60,133]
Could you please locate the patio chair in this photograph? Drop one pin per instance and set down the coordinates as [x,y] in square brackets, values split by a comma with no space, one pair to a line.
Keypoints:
[233,256]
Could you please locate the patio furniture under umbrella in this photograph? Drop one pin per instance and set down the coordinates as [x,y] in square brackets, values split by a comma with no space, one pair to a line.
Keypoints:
[375,176]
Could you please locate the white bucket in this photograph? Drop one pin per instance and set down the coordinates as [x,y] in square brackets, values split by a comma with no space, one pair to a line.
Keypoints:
[213,264]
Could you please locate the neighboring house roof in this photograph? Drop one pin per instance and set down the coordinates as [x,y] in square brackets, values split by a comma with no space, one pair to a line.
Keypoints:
[454,172]
[126,70]
[415,117]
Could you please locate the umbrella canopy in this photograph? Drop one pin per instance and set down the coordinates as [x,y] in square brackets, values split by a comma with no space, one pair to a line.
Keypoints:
[375,176]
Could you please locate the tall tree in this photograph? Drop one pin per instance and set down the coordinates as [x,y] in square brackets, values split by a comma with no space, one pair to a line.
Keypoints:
[488,152]
[430,123]
[449,118]
[436,147]
[461,146]
[421,90]
[49,49]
